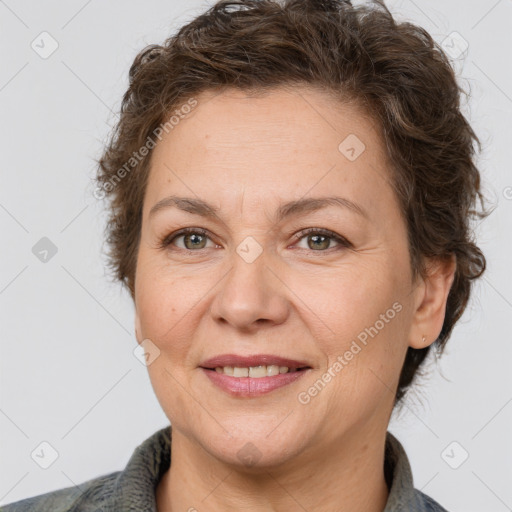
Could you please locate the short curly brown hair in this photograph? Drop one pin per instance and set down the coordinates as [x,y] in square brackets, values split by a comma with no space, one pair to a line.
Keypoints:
[395,71]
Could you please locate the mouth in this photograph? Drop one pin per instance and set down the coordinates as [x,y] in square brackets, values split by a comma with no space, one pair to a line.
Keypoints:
[248,376]
[255,372]
[257,366]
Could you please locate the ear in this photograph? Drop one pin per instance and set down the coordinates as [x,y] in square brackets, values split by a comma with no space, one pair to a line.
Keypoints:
[431,302]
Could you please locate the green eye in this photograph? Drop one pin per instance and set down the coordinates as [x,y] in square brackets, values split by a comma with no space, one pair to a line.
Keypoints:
[195,239]
[319,240]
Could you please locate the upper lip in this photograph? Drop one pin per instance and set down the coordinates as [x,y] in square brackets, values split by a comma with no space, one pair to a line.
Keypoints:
[254,360]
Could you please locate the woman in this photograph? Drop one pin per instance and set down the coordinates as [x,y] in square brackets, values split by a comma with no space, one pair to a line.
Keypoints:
[290,189]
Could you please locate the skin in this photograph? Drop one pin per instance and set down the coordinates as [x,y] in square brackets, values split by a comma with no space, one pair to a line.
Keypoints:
[297,299]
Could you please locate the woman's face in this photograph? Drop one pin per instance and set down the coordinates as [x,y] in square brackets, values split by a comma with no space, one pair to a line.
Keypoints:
[250,281]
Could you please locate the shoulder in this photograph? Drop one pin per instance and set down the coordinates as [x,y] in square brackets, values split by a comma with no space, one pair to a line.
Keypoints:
[132,488]
[87,496]
[428,504]
[403,496]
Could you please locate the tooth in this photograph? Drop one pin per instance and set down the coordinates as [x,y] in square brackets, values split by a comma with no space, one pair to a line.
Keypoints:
[255,372]
[240,372]
[273,369]
[258,371]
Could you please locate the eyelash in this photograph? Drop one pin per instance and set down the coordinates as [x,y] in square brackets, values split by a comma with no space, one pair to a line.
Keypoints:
[167,240]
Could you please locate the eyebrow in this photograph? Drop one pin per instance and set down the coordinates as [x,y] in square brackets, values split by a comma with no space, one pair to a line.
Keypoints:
[292,208]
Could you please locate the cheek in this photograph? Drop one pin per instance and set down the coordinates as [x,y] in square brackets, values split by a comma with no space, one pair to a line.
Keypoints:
[167,310]
[171,303]
[342,303]
[358,320]
[166,299]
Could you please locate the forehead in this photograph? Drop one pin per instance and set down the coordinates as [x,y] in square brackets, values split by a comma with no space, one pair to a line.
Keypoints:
[282,143]
[286,116]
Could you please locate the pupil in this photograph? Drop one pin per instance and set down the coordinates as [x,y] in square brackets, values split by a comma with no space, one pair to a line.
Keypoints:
[195,238]
[316,237]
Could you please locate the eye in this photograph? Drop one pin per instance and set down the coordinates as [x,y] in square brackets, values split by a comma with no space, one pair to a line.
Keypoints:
[320,239]
[193,238]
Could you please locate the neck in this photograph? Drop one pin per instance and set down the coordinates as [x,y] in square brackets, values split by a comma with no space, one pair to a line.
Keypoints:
[348,477]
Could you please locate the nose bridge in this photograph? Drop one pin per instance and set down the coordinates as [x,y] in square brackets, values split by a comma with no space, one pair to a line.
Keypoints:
[250,292]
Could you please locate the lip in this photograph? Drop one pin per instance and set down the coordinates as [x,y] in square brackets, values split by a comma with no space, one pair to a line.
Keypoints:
[254,360]
[250,386]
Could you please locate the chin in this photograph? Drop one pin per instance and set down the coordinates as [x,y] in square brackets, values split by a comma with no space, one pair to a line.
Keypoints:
[253,445]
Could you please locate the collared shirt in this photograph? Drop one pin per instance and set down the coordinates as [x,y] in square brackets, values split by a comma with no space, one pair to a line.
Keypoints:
[133,489]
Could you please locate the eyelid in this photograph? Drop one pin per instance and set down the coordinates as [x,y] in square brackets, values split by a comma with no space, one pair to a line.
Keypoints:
[325,232]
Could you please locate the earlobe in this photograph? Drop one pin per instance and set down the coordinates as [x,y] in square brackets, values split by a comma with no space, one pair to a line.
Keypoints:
[430,314]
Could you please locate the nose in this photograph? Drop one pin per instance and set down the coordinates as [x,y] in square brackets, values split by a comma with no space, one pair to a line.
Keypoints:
[251,294]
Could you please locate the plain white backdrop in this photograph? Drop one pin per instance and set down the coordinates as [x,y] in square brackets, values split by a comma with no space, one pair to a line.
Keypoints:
[68,373]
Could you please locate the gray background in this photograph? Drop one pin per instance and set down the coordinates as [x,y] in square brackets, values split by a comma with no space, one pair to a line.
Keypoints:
[68,373]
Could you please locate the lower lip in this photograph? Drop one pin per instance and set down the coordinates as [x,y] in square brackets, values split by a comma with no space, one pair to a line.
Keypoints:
[247,386]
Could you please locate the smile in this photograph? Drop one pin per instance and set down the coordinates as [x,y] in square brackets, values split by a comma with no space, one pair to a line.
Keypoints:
[246,386]
[256,372]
